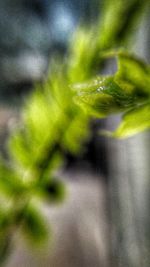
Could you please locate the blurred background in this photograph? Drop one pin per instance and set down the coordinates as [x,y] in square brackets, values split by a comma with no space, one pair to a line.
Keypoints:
[105,219]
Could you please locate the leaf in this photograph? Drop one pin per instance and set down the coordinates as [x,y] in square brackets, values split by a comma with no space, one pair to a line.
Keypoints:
[103,96]
[34,225]
[20,148]
[5,220]
[98,105]
[76,133]
[134,71]
[119,20]
[83,61]
[10,183]
[133,122]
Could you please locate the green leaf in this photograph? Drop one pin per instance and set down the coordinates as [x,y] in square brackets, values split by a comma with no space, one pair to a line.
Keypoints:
[134,71]
[5,220]
[97,105]
[84,54]
[103,96]
[133,122]
[76,133]
[20,147]
[34,225]
[10,183]
[119,20]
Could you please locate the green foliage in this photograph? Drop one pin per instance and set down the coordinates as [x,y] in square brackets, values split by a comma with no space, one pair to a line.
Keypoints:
[135,121]
[10,183]
[100,96]
[51,125]
[33,225]
[119,22]
[55,118]
[127,91]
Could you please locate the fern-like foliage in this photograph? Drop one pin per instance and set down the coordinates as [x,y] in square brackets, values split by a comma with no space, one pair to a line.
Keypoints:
[51,126]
